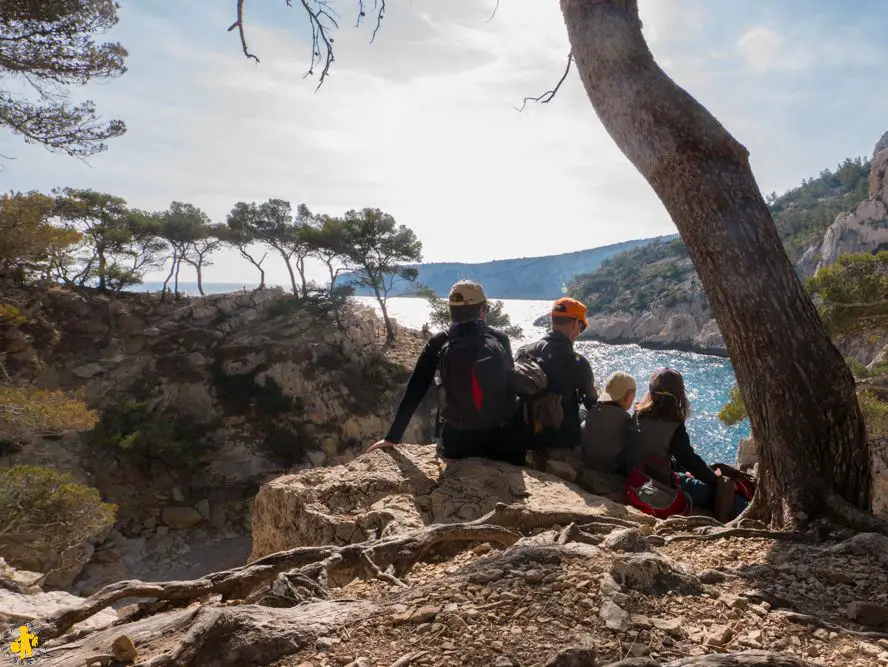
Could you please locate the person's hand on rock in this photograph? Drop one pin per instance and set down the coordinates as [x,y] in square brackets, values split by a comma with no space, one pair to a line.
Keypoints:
[380,444]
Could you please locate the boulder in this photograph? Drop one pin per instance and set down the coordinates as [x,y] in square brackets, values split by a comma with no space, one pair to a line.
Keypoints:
[392,490]
[653,574]
[180,518]
[27,604]
[872,545]
[747,454]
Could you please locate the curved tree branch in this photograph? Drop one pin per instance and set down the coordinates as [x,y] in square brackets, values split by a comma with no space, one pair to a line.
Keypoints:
[547,97]
[239,24]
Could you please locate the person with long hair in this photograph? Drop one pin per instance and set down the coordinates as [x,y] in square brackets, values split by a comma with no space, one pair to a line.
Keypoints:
[660,456]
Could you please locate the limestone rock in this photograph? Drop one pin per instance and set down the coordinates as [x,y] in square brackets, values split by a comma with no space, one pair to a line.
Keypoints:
[572,657]
[179,518]
[391,490]
[864,544]
[652,574]
[123,649]
[614,616]
[747,454]
[626,539]
[26,607]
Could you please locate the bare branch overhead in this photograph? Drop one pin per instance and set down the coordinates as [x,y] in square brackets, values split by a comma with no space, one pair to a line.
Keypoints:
[547,97]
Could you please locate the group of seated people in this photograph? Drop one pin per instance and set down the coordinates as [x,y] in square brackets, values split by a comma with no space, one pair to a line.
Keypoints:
[543,402]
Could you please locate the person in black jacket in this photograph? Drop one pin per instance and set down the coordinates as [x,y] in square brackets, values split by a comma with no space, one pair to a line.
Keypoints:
[568,372]
[471,365]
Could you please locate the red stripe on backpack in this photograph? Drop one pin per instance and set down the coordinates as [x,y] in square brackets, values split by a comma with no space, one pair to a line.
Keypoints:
[477,393]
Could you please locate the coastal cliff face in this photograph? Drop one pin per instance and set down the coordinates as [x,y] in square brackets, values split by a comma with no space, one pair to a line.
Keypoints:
[201,401]
[863,230]
[651,295]
[689,327]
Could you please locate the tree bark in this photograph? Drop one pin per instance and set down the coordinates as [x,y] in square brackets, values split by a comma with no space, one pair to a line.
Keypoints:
[169,277]
[176,281]
[290,271]
[389,329]
[198,267]
[798,391]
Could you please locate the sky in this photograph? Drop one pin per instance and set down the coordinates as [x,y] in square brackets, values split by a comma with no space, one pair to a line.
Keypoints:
[422,123]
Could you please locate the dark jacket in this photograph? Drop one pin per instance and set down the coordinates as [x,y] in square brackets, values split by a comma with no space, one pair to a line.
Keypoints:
[570,376]
[424,374]
[605,437]
[665,440]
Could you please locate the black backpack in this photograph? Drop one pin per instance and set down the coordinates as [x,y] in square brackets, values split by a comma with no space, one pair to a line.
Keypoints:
[475,381]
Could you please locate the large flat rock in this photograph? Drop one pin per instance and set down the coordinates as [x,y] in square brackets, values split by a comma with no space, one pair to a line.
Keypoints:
[389,491]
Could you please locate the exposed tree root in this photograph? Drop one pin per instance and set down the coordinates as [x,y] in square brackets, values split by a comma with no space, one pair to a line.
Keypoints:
[574,533]
[846,515]
[744,532]
[206,624]
[525,519]
[679,523]
[399,551]
[744,659]
[805,619]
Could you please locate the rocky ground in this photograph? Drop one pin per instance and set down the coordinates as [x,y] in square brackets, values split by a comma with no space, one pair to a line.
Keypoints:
[397,558]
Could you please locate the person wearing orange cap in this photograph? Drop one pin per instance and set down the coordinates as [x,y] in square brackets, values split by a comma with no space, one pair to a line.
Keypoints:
[569,374]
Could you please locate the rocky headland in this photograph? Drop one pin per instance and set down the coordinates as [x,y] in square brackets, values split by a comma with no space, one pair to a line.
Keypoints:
[656,300]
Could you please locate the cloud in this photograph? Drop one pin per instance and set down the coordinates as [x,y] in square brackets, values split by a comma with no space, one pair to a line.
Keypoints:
[422,122]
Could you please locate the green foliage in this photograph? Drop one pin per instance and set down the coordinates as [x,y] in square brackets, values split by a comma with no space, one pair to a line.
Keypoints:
[274,225]
[662,274]
[440,313]
[803,214]
[656,274]
[131,428]
[875,414]
[11,316]
[734,411]
[45,511]
[193,238]
[853,292]
[28,239]
[119,244]
[379,248]
[45,49]
[29,410]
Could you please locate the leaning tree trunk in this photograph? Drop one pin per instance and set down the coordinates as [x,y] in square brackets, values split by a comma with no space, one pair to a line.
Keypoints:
[798,392]
[169,277]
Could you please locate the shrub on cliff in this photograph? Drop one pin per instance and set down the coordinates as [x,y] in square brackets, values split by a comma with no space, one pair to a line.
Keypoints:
[134,429]
[852,292]
[28,410]
[45,511]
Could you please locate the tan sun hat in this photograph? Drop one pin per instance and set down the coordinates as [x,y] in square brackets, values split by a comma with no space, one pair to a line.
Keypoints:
[618,385]
[466,293]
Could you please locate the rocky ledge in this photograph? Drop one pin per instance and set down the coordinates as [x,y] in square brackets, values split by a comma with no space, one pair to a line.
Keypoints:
[374,575]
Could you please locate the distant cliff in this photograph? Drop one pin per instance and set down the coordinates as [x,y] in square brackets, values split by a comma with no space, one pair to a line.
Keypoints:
[520,278]
[652,296]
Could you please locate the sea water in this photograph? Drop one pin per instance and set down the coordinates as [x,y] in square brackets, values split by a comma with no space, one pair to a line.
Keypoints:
[708,379]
